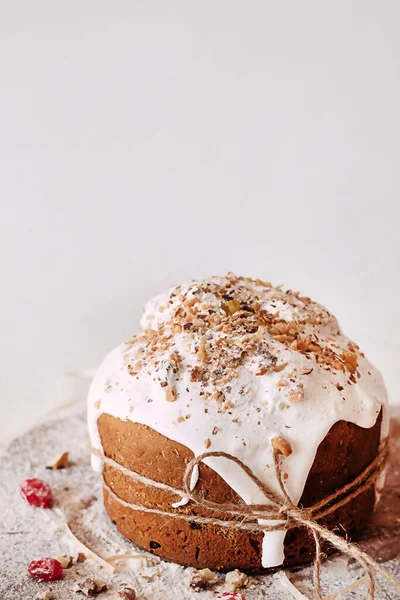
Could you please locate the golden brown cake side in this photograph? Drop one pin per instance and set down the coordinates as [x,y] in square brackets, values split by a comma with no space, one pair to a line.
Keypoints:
[343,454]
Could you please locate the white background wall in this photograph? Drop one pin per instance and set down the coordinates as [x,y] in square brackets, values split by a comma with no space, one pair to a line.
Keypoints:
[145,143]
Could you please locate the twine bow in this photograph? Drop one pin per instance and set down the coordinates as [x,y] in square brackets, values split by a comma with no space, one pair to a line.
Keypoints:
[280,508]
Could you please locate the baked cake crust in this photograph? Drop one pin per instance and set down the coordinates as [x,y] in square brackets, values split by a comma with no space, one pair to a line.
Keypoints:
[344,453]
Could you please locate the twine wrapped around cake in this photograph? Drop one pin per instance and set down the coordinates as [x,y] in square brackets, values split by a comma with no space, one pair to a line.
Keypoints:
[280,508]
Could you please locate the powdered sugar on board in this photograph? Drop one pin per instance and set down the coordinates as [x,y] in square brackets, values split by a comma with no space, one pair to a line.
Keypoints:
[27,534]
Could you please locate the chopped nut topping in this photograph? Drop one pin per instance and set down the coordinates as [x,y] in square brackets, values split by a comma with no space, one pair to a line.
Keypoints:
[307,371]
[232,322]
[281,446]
[203,579]
[196,374]
[171,395]
[65,561]
[81,557]
[125,594]
[91,587]
[297,394]
[59,462]
[279,368]
[235,580]
[207,443]
[230,307]
[350,361]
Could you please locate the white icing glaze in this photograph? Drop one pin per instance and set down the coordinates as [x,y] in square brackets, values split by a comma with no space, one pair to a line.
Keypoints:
[259,407]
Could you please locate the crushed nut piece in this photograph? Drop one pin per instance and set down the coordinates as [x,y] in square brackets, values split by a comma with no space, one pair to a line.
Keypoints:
[65,561]
[196,374]
[230,307]
[59,462]
[171,394]
[126,594]
[201,352]
[296,395]
[307,371]
[281,446]
[234,580]
[81,557]
[279,368]
[207,443]
[350,361]
[203,579]
[91,587]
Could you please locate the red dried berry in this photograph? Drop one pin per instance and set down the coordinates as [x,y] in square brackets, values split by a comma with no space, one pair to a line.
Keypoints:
[46,569]
[232,596]
[36,492]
